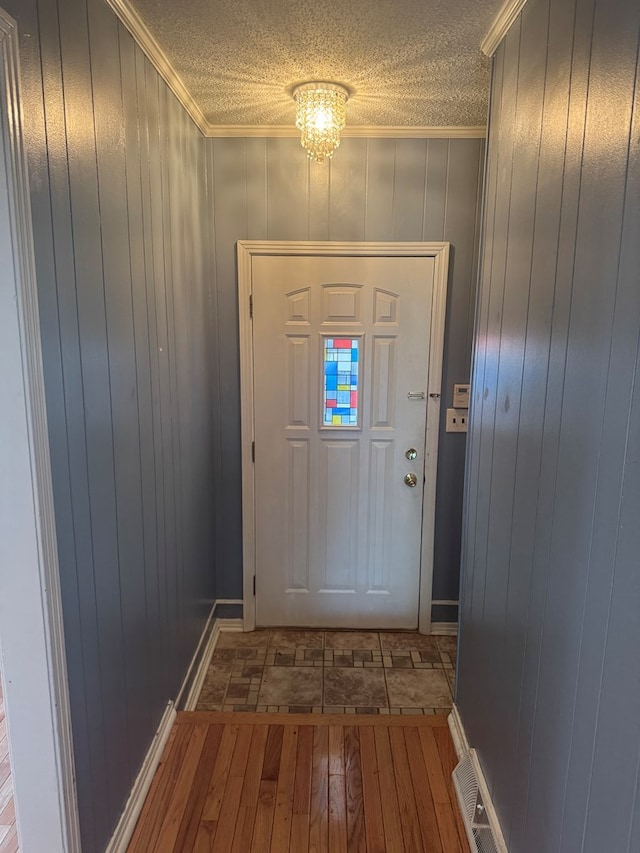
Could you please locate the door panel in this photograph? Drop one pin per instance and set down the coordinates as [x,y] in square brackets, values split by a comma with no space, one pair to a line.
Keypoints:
[338,533]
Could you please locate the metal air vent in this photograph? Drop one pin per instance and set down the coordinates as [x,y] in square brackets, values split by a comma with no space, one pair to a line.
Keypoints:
[479,818]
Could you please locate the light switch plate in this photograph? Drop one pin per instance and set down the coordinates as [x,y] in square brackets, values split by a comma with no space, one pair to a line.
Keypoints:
[457,420]
[461,396]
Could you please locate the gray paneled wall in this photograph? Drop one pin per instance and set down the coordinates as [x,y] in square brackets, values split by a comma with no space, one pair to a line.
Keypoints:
[373,189]
[121,217]
[548,683]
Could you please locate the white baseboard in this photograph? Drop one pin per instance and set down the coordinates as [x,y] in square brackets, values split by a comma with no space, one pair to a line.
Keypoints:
[200,662]
[458,734]
[196,660]
[127,823]
[203,665]
[229,601]
[463,750]
[230,624]
[444,629]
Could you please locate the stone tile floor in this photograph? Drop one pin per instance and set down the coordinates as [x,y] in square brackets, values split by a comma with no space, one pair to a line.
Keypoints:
[363,672]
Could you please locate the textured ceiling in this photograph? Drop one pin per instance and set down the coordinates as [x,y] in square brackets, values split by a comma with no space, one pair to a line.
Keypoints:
[406,62]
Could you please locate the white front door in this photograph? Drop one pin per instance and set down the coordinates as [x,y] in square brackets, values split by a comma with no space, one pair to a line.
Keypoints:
[341,351]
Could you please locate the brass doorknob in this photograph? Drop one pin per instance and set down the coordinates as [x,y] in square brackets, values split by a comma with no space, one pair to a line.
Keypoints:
[411,480]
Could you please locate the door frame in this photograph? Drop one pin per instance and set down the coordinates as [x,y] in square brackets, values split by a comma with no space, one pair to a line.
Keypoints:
[246,251]
[36,692]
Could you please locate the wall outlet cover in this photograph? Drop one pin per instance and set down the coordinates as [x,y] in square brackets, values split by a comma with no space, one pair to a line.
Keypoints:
[457,420]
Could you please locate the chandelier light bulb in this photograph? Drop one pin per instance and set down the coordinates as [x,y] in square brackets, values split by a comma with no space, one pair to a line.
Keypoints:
[320,116]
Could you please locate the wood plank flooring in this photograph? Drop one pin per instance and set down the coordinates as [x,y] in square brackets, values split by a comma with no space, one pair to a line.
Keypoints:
[272,783]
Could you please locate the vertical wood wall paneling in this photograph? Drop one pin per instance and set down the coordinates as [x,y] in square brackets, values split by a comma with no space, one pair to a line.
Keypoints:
[129,589]
[598,390]
[373,189]
[381,173]
[166,335]
[524,597]
[461,212]
[516,270]
[63,380]
[288,190]
[320,181]
[473,586]
[408,189]
[96,386]
[551,595]
[348,191]
[152,210]
[569,155]
[494,271]
[230,212]
[139,712]
[121,219]
[215,360]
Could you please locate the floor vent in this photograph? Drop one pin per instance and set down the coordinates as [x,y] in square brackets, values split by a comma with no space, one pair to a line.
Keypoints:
[480,821]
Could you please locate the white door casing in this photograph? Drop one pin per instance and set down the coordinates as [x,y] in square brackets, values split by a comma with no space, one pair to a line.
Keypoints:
[31,630]
[364,558]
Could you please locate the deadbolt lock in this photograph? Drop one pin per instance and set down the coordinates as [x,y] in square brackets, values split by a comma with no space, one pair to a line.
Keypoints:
[411,453]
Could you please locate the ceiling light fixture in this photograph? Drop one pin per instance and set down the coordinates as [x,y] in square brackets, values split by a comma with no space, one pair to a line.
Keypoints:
[320,116]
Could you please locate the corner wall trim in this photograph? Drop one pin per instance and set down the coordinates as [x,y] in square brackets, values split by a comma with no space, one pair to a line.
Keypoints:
[365,131]
[501,25]
[158,58]
[127,823]
[34,664]
[146,41]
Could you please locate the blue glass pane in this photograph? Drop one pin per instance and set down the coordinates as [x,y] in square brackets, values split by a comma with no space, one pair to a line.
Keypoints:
[341,381]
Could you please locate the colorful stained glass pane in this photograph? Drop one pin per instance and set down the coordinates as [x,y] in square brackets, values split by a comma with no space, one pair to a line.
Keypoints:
[341,356]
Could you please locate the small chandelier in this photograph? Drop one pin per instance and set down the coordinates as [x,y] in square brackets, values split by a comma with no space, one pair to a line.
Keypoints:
[320,116]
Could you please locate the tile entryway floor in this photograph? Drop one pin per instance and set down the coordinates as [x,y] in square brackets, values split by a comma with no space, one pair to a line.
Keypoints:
[330,672]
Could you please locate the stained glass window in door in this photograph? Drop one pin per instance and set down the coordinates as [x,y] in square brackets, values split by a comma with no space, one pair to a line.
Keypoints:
[341,364]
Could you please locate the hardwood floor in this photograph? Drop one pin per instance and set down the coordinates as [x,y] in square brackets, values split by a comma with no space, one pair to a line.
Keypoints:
[8,830]
[234,783]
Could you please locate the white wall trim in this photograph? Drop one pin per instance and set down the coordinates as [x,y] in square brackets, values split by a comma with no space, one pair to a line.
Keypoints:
[458,734]
[445,629]
[246,249]
[198,655]
[158,58]
[501,25]
[368,131]
[434,392]
[147,42]
[31,627]
[203,665]
[463,749]
[229,601]
[127,823]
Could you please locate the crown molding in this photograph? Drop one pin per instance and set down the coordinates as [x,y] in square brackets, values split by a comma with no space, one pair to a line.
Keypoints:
[158,58]
[368,132]
[501,25]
